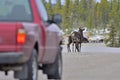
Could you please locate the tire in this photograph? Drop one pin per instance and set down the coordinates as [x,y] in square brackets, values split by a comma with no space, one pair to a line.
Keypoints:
[32,66]
[55,69]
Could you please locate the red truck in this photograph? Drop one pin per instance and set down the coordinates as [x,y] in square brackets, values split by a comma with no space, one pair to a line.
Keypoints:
[26,42]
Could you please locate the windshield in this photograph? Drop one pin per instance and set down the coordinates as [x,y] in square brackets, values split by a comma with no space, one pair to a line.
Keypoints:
[15,10]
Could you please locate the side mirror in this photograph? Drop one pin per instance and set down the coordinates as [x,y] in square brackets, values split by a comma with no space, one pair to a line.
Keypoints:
[57,18]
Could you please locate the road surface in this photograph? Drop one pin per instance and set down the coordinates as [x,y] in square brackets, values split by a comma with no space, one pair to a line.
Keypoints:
[95,62]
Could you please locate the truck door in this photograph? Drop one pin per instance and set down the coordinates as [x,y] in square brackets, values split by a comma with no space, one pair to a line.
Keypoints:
[51,40]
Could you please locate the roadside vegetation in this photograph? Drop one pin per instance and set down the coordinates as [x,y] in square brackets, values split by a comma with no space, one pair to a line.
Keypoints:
[90,14]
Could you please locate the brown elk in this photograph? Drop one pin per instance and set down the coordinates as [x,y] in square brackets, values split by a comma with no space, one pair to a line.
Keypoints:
[75,39]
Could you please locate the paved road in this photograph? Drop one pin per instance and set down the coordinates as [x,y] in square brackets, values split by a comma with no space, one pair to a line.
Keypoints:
[95,62]
[95,48]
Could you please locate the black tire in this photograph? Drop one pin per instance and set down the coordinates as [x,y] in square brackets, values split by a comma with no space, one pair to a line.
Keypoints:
[32,66]
[56,68]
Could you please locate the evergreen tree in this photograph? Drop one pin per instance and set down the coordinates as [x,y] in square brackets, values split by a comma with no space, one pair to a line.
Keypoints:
[49,8]
[104,11]
[57,7]
[75,14]
[67,14]
[90,14]
[83,11]
[114,16]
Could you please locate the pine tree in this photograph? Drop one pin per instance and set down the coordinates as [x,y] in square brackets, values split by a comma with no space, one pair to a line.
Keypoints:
[49,8]
[67,15]
[75,14]
[114,21]
[83,11]
[57,7]
[104,10]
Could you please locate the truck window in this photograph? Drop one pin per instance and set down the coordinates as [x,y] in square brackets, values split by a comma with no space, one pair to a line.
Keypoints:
[42,10]
[15,10]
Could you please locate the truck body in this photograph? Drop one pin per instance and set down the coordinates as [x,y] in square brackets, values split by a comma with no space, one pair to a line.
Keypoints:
[24,33]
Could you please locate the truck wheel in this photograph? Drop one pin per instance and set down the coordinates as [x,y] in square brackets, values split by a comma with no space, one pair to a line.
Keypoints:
[56,68]
[32,66]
